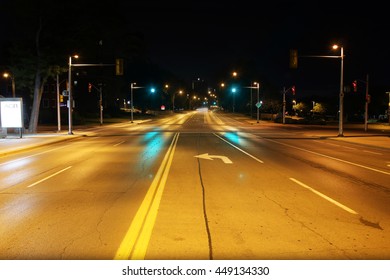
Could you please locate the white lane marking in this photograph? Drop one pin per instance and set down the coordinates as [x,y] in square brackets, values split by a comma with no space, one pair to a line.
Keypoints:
[15,160]
[342,206]
[48,177]
[375,153]
[331,144]
[338,159]
[349,148]
[117,144]
[255,158]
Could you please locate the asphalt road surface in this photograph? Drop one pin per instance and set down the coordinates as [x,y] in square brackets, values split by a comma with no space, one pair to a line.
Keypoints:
[198,185]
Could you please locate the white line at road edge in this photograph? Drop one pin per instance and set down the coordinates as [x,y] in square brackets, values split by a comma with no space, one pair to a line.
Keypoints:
[338,159]
[325,197]
[48,177]
[255,158]
[136,240]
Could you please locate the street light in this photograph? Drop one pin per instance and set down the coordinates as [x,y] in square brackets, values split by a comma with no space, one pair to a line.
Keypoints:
[173,98]
[70,99]
[341,97]
[8,75]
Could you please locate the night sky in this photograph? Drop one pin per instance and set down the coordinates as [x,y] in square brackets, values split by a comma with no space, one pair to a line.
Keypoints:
[196,38]
[206,38]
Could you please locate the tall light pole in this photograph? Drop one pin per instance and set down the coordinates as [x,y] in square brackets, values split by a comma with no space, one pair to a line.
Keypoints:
[173,99]
[58,105]
[341,96]
[70,99]
[8,75]
[234,75]
[366,106]
[388,107]
[258,103]
[131,101]
[132,86]
[234,97]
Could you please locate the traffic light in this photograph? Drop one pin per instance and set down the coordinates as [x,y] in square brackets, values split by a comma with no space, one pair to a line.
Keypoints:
[119,66]
[354,86]
[293,59]
[293,90]
[89,87]
[61,98]
[152,90]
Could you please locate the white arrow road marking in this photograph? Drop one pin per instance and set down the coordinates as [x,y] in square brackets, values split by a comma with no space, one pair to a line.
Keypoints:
[210,157]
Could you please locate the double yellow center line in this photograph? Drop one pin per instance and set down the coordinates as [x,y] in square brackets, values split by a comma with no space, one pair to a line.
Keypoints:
[136,240]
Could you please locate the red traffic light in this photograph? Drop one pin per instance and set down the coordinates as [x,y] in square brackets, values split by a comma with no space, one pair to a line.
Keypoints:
[354,85]
[89,87]
[293,90]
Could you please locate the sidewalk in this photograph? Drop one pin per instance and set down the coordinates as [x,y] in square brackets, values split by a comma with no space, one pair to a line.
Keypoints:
[377,138]
[13,143]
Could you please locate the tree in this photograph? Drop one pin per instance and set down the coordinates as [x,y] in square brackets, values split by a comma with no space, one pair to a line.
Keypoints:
[45,33]
[34,50]
[300,108]
[319,108]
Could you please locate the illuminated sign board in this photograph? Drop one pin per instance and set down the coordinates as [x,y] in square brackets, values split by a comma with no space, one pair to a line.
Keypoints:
[11,112]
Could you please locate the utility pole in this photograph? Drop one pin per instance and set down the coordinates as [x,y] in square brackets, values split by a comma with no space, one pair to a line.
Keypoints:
[284,106]
[341,98]
[101,103]
[70,99]
[366,106]
[58,106]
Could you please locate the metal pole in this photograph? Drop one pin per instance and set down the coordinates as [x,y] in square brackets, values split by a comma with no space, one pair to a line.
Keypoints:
[13,86]
[251,101]
[388,109]
[366,107]
[101,104]
[70,99]
[341,113]
[131,102]
[173,102]
[234,100]
[284,105]
[58,106]
[257,105]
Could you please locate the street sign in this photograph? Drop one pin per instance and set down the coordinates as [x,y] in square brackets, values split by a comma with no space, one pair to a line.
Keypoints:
[258,104]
